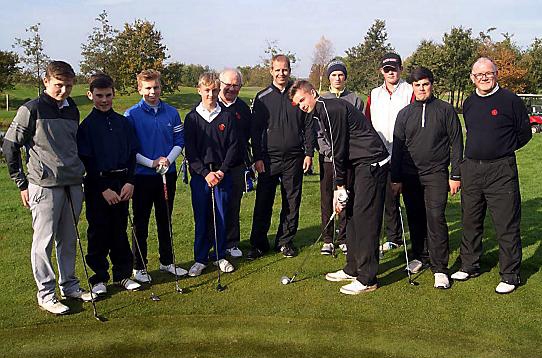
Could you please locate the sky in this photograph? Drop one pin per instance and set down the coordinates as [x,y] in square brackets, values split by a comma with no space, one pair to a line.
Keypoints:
[235,33]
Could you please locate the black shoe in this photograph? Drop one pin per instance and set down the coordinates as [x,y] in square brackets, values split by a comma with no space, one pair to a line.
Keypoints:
[254,253]
[288,250]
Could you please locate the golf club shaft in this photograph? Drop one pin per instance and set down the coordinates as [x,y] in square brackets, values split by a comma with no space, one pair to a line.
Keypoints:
[216,238]
[404,244]
[168,216]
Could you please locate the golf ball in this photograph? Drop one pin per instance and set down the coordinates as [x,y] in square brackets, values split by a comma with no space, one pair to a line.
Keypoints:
[285,280]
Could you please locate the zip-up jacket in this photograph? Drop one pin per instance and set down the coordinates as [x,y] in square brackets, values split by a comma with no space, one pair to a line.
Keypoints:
[243,117]
[49,135]
[158,132]
[353,138]
[279,129]
[107,143]
[425,133]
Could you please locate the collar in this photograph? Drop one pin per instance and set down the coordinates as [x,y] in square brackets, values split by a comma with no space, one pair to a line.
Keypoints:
[227,104]
[285,90]
[97,112]
[54,102]
[337,93]
[420,103]
[490,93]
[148,108]
[401,81]
[208,115]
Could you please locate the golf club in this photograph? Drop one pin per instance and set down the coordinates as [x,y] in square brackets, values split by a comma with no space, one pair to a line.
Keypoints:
[153,297]
[219,286]
[166,197]
[410,281]
[69,196]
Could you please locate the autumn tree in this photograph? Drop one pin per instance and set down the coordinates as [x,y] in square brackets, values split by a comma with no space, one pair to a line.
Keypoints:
[98,51]
[33,57]
[323,53]
[8,69]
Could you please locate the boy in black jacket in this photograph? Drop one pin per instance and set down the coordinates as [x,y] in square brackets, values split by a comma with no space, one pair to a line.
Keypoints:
[107,147]
[211,151]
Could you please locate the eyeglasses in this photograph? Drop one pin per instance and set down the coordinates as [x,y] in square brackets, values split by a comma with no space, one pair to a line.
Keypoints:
[235,86]
[480,76]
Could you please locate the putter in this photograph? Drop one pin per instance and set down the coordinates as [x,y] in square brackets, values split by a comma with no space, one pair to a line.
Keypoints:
[219,286]
[153,297]
[69,196]
[178,289]
[410,280]
[285,279]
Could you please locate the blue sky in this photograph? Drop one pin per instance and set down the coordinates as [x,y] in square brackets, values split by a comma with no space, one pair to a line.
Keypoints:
[230,33]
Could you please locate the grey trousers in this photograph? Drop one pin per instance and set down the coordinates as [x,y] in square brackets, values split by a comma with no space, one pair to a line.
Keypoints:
[52,221]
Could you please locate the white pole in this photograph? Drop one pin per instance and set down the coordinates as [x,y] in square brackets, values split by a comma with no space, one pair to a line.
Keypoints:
[7,102]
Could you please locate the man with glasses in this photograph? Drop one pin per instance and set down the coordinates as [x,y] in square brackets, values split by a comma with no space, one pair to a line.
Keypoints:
[382,107]
[497,125]
[231,82]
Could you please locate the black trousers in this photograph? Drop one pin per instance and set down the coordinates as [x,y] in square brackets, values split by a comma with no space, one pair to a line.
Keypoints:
[425,198]
[492,185]
[364,221]
[106,235]
[233,234]
[290,180]
[149,192]
[394,231]
[326,203]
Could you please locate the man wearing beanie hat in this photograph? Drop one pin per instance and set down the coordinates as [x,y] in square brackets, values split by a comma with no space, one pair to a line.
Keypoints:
[337,74]
[382,107]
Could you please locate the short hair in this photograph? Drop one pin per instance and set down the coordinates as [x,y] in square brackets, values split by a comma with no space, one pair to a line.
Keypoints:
[59,69]
[280,58]
[148,75]
[101,80]
[303,85]
[485,59]
[420,73]
[209,79]
[234,70]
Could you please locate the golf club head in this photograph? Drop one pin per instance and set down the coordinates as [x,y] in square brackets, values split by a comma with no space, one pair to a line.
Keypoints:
[155,298]
[178,290]
[220,288]
[285,280]
[101,318]
[413,283]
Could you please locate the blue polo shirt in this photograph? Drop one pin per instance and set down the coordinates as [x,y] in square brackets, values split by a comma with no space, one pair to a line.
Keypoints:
[157,131]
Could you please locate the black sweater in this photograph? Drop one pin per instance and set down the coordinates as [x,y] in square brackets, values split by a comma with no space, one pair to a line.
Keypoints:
[243,117]
[214,143]
[106,141]
[423,135]
[354,139]
[279,129]
[497,125]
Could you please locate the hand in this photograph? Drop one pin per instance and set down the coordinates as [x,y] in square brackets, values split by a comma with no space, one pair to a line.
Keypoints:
[396,188]
[259,166]
[25,199]
[126,192]
[340,198]
[455,185]
[111,197]
[163,161]
[220,175]
[160,169]
[307,163]
[212,179]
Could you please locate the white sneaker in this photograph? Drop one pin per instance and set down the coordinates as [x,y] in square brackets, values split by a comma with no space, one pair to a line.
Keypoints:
[327,249]
[129,284]
[441,281]
[388,245]
[196,269]
[142,276]
[99,289]
[171,268]
[234,252]
[463,276]
[80,294]
[339,276]
[414,266]
[224,265]
[356,287]
[504,288]
[54,306]
[343,248]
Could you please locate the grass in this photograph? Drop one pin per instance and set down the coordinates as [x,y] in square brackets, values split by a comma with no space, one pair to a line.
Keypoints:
[256,316]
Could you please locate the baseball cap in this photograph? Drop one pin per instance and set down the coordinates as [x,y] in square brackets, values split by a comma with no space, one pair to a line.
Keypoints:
[391,60]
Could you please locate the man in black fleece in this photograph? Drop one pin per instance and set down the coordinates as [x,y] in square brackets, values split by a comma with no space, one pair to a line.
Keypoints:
[497,125]
[425,132]
[282,146]
[357,146]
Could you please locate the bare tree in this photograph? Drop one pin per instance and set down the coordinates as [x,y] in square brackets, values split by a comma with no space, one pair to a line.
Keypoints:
[33,56]
[323,53]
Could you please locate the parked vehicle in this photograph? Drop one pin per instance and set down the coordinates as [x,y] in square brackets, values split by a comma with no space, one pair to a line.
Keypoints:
[534,109]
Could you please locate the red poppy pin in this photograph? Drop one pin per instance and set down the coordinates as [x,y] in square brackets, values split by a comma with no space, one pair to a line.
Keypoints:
[237,115]
[494,112]
[221,127]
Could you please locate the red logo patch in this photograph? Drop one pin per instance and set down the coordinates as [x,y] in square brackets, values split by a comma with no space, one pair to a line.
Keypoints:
[237,115]
[221,127]
[494,112]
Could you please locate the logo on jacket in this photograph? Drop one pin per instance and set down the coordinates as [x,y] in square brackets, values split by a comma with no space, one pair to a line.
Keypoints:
[221,127]
[494,112]
[237,115]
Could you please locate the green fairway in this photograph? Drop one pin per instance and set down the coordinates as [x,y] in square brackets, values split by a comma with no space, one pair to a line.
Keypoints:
[257,316]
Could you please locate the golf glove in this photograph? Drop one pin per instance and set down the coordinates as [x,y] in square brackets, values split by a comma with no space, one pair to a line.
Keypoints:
[340,197]
[162,169]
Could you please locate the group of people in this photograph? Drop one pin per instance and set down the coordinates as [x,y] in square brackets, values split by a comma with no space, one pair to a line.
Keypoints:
[401,142]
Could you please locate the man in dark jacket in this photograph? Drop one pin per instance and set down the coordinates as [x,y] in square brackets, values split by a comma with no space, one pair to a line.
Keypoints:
[282,144]
[424,133]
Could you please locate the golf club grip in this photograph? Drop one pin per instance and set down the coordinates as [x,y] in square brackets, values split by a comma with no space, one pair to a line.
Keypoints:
[164,181]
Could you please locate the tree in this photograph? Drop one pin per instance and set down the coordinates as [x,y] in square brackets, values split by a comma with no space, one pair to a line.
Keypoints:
[137,47]
[172,76]
[257,76]
[323,53]
[34,56]
[274,49]
[533,61]
[8,69]
[97,53]
[428,54]
[363,60]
